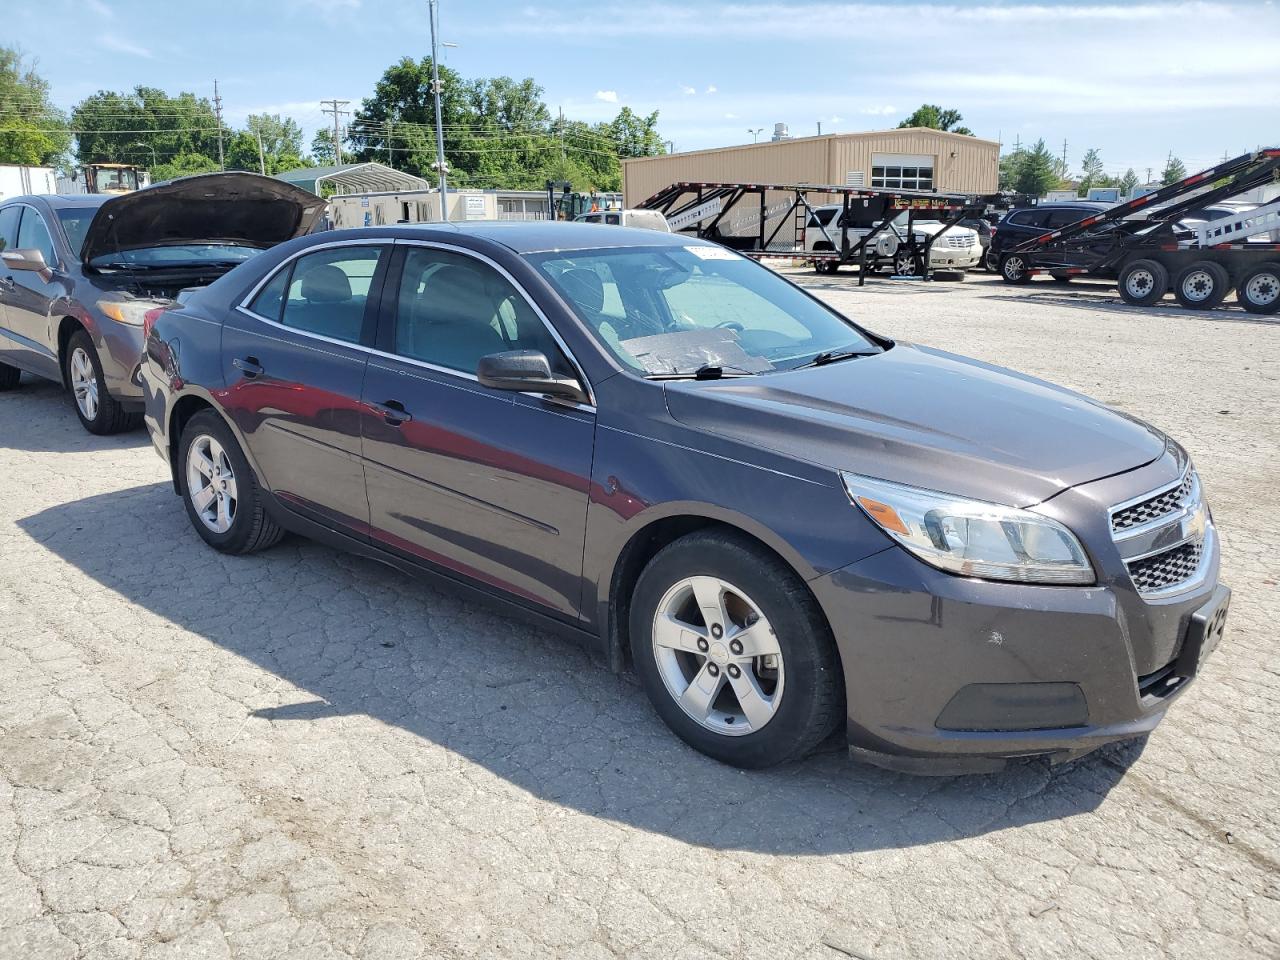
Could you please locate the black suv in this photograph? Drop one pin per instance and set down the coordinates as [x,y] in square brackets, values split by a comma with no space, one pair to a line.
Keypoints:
[1024,223]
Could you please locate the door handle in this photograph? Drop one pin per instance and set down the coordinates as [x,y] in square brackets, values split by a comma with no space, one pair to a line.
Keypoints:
[249,366]
[393,412]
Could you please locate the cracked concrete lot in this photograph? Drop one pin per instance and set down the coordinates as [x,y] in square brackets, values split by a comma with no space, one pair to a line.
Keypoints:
[302,754]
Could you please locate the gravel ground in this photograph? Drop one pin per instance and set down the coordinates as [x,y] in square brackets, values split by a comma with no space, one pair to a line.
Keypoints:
[302,754]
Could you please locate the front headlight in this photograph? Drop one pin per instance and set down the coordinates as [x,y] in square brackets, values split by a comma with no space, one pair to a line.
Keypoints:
[971,537]
[132,312]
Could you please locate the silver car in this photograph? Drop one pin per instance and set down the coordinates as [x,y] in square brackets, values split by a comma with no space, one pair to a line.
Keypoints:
[79,275]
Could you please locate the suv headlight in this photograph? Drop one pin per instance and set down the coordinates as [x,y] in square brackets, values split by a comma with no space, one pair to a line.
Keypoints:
[971,537]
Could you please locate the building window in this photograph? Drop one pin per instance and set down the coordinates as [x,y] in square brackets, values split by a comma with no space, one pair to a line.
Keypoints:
[901,172]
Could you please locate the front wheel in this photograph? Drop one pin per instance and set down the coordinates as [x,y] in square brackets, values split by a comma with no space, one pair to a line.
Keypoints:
[98,411]
[733,651]
[219,489]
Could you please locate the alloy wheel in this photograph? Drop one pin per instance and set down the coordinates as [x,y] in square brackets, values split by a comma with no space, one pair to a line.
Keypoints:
[84,383]
[718,656]
[1014,268]
[211,484]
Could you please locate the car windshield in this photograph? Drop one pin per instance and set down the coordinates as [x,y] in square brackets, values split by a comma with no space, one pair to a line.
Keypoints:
[176,255]
[674,310]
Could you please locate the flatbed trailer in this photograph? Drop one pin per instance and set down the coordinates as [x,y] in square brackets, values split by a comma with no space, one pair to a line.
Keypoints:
[1139,245]
[708,209]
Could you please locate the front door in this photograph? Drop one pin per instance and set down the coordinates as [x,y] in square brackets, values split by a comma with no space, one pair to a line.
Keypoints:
[294,362]
[487,483]
[28,299]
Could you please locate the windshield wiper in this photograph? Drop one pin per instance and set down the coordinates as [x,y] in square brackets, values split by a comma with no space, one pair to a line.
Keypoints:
[835,356]
[708,371]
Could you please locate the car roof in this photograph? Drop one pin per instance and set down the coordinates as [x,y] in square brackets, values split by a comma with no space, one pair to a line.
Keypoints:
[58,201]
[533,236]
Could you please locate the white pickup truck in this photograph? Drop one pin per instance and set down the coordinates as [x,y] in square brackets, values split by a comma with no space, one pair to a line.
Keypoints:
[954,252]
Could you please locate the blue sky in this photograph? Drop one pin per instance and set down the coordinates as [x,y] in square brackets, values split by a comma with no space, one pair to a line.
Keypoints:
[1133,79]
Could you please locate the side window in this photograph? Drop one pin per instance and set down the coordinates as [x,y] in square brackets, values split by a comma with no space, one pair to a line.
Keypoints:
[451,310]
[270,299]
[1065,217]
[328,291]
[9,226]
[34,235]
[612,218]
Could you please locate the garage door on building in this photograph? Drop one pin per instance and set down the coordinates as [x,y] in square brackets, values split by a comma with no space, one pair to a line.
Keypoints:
[902,171]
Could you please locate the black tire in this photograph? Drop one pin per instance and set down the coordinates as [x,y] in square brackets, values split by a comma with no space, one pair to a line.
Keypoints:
[9,377]
[1143,282]
[1202,285]
[991,261]
[825,267]
[954,276]
[1062,277]
[812,701]
[1259,289]
[108,416]
[1013,268]
[252,528]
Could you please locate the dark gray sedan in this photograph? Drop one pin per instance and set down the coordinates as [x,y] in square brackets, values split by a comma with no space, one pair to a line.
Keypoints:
[79,273]
[785,522]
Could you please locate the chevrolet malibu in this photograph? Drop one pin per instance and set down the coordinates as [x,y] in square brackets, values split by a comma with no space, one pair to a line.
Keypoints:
[786,523]
[78,275]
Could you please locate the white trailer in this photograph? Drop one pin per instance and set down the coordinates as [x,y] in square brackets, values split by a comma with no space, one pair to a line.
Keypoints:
[17,180]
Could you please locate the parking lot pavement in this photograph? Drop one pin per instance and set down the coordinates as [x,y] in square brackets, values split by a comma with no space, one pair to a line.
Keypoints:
[303,754]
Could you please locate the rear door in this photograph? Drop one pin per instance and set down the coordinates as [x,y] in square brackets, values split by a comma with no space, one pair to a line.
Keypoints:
[491,484]
[294,361]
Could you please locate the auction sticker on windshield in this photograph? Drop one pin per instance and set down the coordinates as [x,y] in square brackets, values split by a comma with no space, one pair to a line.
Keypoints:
[713,253]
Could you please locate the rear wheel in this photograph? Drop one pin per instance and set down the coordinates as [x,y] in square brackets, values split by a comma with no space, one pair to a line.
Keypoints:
[9,376]
[733,651]
[98,411]
[991,261]
[1202,286]
[1013,268]
[221,494]
[1143,282]
[1259,289]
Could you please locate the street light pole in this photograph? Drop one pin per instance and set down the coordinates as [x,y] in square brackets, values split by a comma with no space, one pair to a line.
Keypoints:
[755,133]
[434,12]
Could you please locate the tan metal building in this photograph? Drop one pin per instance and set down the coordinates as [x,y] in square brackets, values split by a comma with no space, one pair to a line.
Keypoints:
[915,158]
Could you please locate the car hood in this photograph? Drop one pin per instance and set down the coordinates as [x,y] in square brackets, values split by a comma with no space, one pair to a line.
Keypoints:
[243,208]
[926,418]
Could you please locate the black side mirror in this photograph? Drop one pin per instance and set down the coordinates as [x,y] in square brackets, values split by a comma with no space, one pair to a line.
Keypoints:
[527,370]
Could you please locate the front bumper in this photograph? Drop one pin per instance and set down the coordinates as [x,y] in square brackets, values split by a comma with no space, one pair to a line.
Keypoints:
[955,259]
[119,348]
[947,674]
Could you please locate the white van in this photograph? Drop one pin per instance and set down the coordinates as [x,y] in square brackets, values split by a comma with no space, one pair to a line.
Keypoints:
[645,219]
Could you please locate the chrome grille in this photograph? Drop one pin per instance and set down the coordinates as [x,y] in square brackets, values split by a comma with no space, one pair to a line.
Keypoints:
[1164,570]
[961,241]
[1153,508]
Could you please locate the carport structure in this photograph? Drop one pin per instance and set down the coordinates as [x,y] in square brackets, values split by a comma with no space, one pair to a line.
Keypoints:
[352,178]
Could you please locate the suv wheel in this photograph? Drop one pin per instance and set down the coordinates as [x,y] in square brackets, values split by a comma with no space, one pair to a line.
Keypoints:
[904,264]
[219,489]
[733,651]
[100,412]
[1013,268]
[9,376]
[1143,282]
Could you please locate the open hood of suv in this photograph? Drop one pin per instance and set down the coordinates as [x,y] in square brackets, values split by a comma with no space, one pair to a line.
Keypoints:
[240,208]
[926,418]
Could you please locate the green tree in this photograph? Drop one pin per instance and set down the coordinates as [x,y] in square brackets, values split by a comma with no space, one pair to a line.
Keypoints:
[1091,171]
[1174,170]
[1036,174]
[183,165]
[268,141]
[322,147]
[32,130]
[1128,182]
[936,118]
[1010,164]
[146,127]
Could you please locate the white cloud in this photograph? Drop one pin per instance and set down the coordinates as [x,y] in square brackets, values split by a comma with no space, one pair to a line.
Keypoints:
[731,116]
[687,91]
[109,41]
[880,111]
[608,96]
[98,7]
[711,88]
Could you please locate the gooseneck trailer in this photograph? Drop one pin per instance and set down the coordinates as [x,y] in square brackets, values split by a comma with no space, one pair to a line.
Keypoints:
[1141,245]
[763,220]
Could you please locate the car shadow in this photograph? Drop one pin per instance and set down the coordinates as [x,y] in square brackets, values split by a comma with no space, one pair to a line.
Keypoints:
[38,417]
[355,637]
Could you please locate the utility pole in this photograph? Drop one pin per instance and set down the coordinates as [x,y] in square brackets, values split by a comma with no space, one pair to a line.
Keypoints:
[262,157]
[433,10]
[335,107]
[217,112]
[1064,156]
[389,163]
[562,134]
[1148,174]
[819,128]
